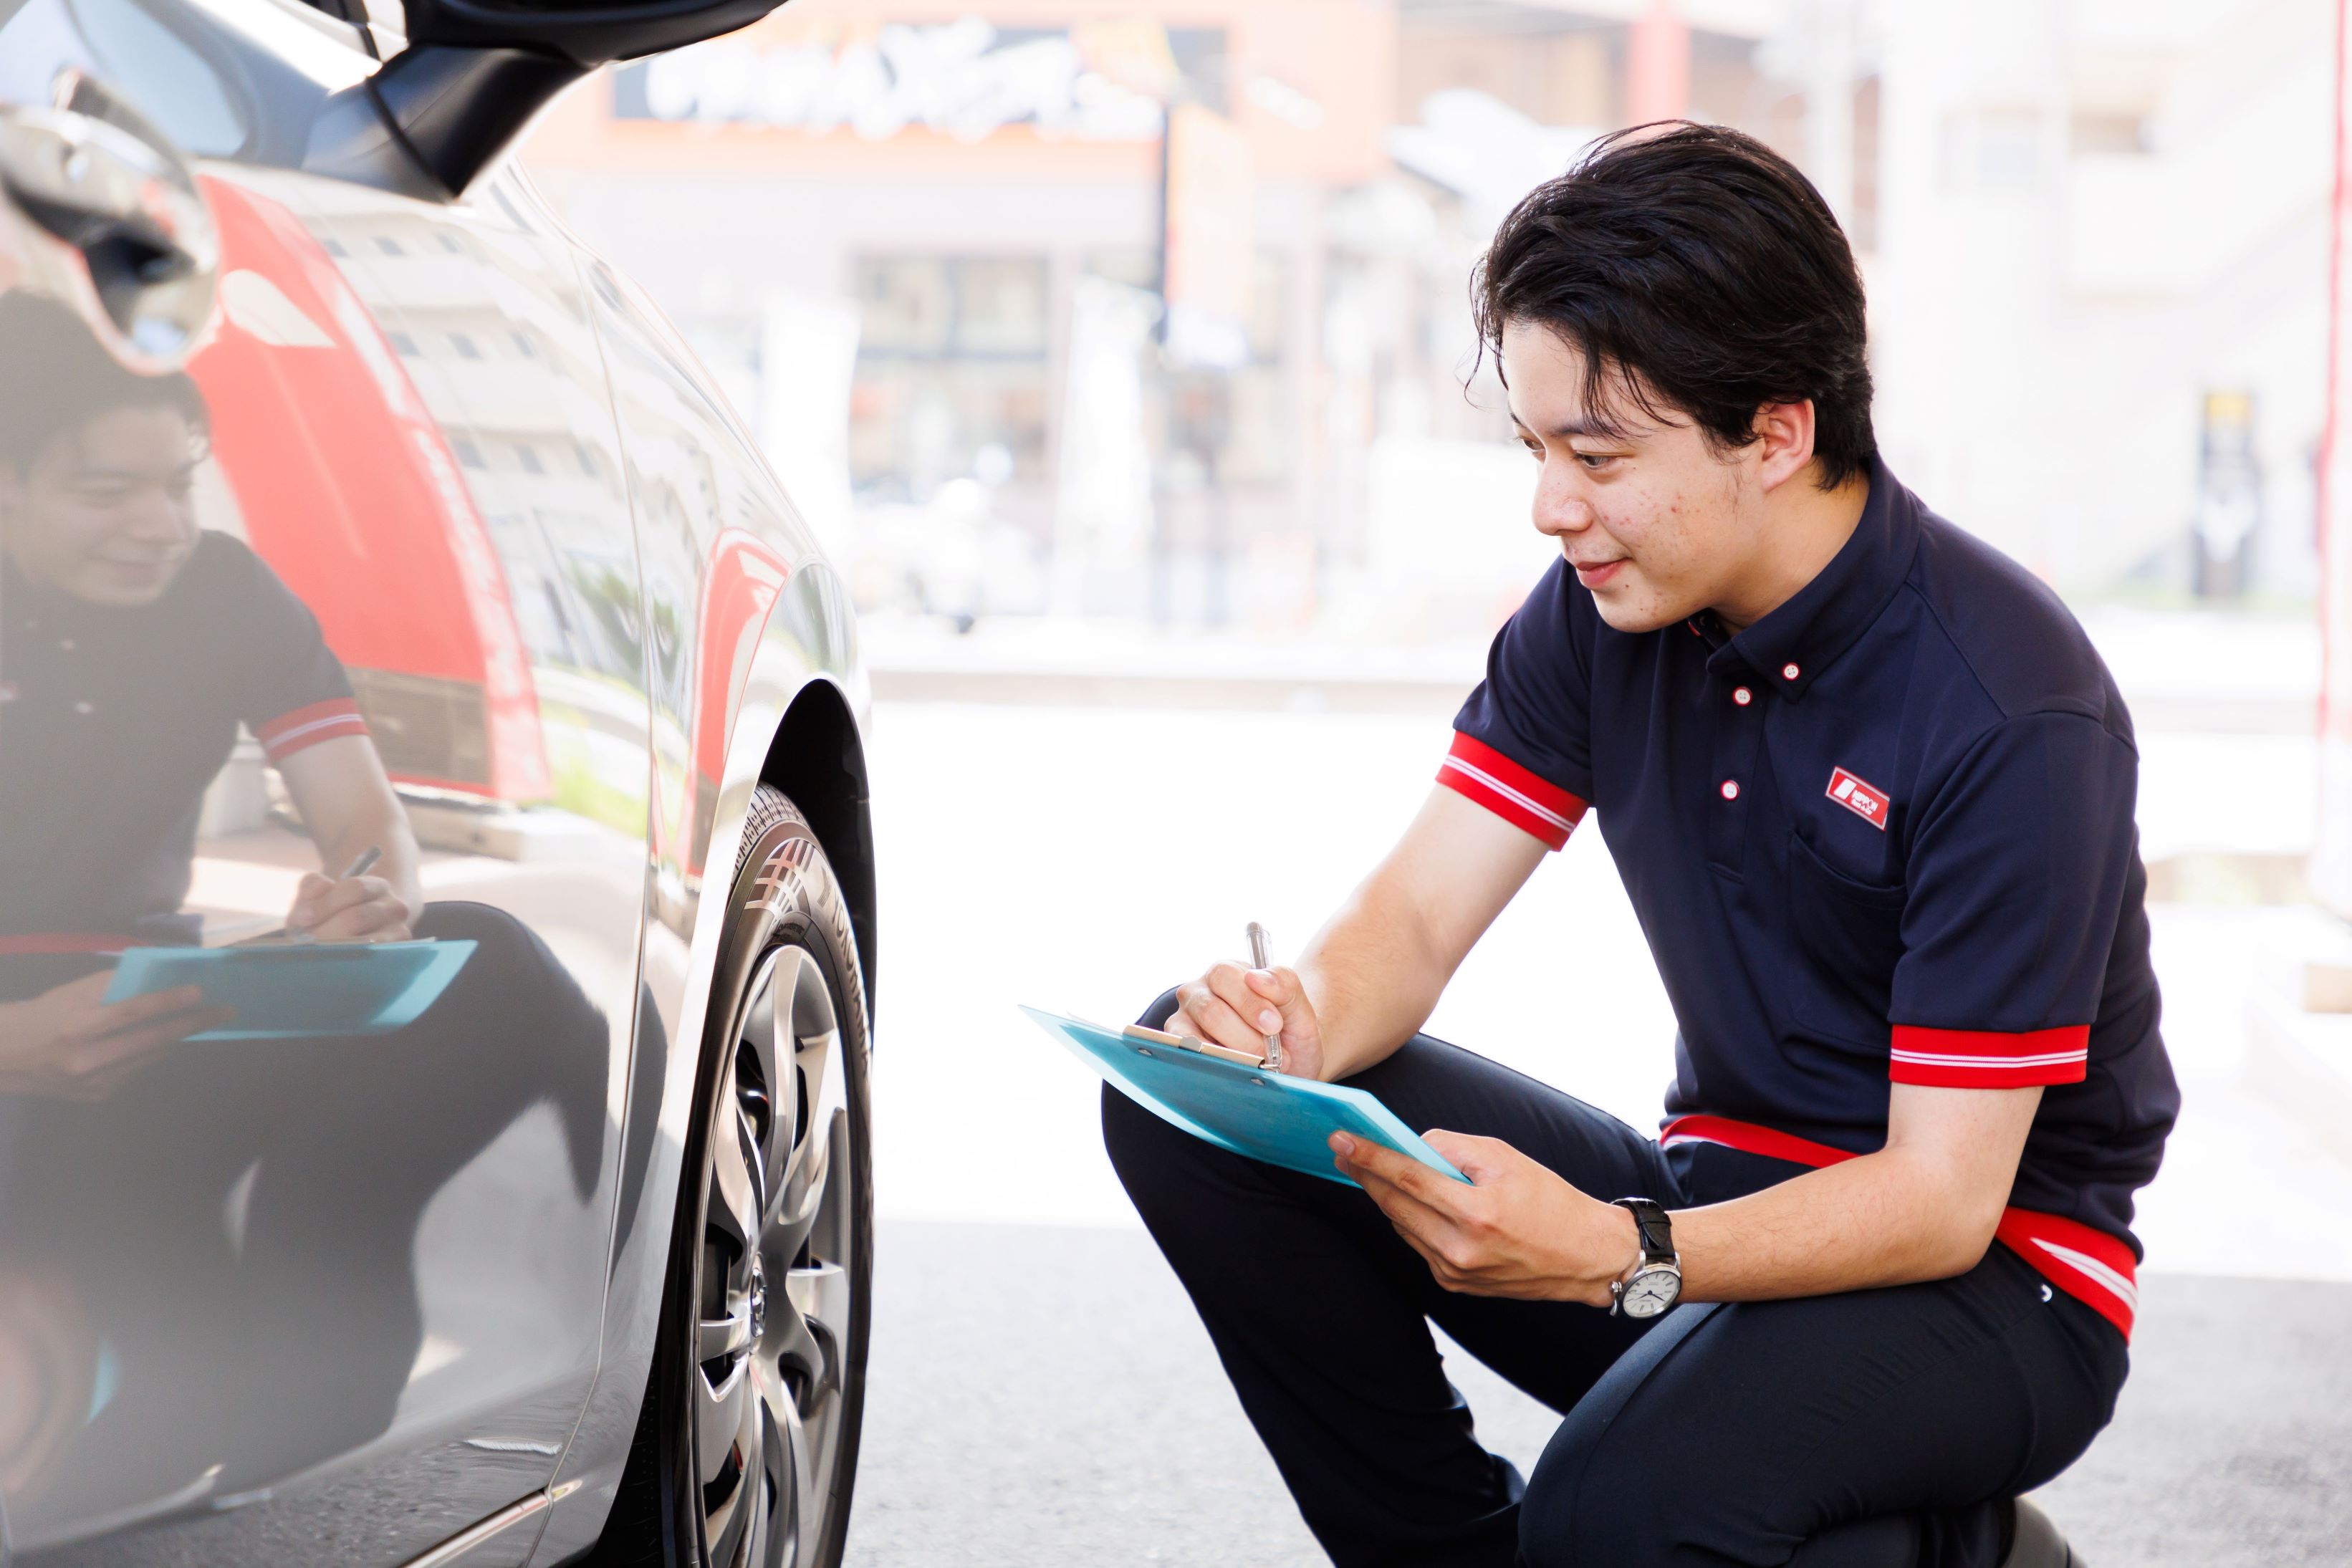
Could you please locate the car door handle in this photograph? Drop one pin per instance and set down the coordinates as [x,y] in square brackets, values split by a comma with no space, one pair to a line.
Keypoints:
[125,209]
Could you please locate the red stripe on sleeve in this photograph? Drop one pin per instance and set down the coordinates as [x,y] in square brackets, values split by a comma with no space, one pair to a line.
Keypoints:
[1529,802]
[306,726]
[1987,1059]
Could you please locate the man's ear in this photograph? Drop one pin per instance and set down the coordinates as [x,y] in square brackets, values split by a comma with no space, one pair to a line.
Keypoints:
[1784,441]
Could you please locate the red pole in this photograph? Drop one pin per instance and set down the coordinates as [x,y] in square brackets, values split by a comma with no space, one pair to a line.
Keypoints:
[1657,66]
[2331,870]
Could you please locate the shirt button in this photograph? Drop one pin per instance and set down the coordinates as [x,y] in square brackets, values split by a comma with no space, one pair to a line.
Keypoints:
[1788,672]
[83,707]
[67,644]
[1743,696]
[1731,789]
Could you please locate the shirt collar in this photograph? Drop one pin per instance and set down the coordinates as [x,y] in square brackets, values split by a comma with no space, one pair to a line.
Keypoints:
[1793,644]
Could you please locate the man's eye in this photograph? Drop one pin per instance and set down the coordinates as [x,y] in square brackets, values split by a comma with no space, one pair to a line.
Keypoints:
[1595,461]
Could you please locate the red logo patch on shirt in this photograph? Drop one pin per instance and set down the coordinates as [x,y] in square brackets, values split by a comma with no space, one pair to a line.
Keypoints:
[1859,798]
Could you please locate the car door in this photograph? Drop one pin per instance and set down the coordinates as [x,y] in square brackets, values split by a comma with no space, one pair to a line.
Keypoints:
[718,540]
[322,1280]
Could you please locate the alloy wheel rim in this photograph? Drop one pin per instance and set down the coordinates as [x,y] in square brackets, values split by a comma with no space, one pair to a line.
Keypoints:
[773,1289]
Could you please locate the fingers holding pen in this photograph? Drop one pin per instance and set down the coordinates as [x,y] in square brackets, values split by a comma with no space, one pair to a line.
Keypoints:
[1222,1008]
[1255,996]
[352,907]
[1238,1007]
[363,909]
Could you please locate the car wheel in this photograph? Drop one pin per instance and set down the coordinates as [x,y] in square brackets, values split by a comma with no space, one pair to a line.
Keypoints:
[747,1448]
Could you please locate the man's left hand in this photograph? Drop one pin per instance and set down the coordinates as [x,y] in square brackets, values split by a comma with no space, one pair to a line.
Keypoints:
[1517,1229]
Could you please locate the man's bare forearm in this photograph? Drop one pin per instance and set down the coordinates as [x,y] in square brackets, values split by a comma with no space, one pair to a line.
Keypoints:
[1869,1222]
[1376,970]
[1370,978]
[1924,1207]
[387,832]
[1373,976]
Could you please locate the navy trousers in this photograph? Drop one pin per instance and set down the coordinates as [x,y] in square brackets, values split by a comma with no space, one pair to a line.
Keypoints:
[1741,1434]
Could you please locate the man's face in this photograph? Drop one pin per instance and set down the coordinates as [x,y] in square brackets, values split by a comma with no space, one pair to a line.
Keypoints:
[104,515]
[1656,523]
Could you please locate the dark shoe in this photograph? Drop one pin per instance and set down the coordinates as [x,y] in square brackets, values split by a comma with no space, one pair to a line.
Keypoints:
[2035,1541]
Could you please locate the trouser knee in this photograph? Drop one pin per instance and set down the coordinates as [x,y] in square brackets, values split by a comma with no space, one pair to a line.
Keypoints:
[1153,1159]
[1132,1135]
[1605,1489]
[1147,1155]
[1582,1507]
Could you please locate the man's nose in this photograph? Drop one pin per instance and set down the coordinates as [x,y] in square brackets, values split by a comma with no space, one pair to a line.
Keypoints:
[1558,508]
[159,516]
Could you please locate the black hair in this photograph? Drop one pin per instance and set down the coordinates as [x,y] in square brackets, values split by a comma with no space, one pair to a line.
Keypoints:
[56,377]
[1698,271]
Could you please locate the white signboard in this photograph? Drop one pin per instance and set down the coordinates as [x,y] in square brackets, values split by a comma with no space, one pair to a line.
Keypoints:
[964,79]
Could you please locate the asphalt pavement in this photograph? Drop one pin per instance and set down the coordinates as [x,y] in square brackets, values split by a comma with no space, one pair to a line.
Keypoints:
[1042,1396]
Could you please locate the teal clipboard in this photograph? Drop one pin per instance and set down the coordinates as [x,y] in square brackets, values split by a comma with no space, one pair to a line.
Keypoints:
[1284,1121]
[305,991]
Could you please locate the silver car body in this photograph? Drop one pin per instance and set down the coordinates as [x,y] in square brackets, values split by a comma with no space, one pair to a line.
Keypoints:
[364,1290]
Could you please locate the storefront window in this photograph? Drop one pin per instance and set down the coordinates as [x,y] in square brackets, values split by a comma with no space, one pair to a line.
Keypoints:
[952,371]
[1000,307]
[1245,413]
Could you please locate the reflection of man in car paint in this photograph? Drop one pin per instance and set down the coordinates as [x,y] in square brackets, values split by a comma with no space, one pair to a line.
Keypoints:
[132,643]
[257,1201]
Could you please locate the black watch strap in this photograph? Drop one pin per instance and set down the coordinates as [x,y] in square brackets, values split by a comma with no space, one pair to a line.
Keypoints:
[1657,1232]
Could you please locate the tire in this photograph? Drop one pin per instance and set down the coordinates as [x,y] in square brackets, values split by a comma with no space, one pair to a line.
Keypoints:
[746,1451]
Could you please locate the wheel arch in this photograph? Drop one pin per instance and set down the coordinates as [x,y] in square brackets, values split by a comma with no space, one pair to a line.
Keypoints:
[818,759]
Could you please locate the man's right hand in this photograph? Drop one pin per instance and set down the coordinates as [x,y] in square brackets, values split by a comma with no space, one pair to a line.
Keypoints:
[70,1043]
[1237,1008]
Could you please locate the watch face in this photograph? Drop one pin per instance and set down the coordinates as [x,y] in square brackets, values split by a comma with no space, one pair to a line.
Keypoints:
[1651,1293]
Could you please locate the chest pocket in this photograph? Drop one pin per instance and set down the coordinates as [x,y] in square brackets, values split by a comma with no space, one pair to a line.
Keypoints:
[1850,934]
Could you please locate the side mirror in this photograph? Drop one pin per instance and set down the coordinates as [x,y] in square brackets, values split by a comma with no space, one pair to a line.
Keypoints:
[475,73]
[587,35]
[128,243]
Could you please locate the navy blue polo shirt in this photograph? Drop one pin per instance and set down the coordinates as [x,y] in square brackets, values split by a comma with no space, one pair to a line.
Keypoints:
[1883,835]
[116,720]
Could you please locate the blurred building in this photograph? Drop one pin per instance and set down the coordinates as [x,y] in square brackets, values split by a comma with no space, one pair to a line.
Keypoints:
[2099,300]
[923,244]
[926,250]
[931,241]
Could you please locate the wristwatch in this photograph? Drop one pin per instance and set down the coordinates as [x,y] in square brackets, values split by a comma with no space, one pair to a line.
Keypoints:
[1656,1283]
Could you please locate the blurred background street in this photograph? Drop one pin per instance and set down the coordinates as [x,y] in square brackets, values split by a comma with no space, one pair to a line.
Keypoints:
[1120,354]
